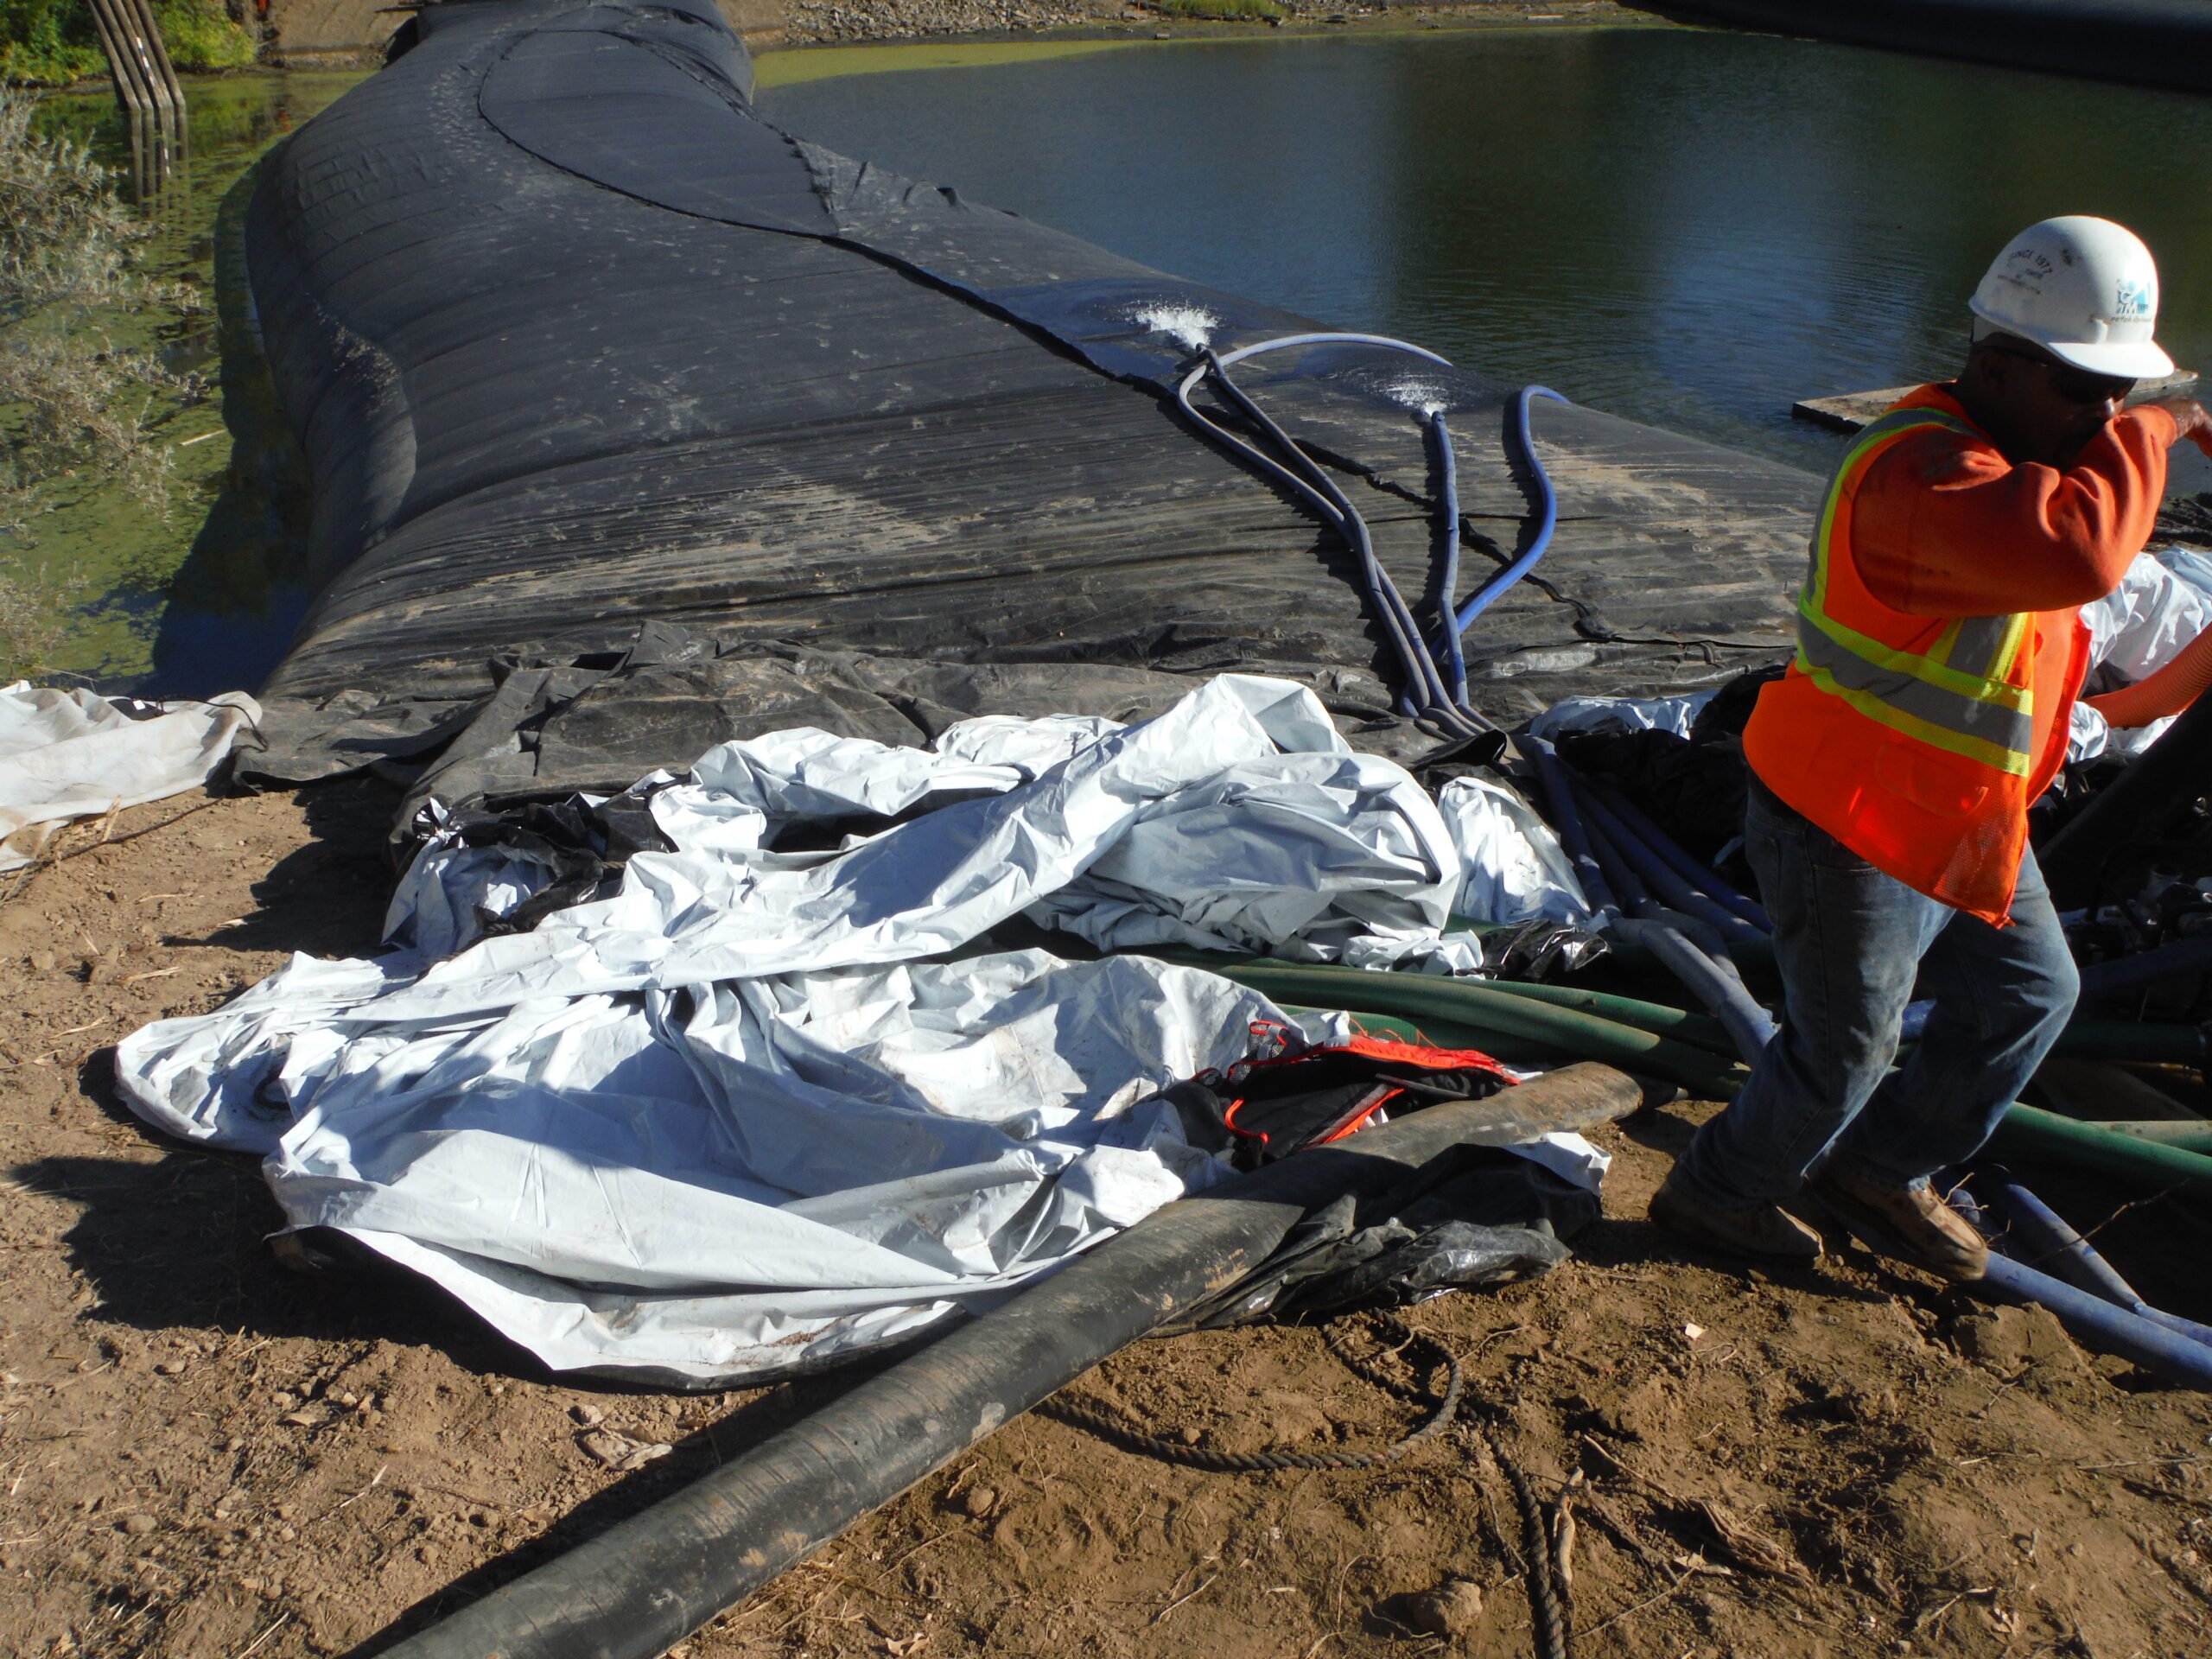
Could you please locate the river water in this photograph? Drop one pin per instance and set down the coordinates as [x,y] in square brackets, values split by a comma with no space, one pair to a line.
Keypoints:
[1690,228]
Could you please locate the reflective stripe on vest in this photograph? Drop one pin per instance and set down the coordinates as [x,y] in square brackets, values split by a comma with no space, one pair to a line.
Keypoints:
[1958,696]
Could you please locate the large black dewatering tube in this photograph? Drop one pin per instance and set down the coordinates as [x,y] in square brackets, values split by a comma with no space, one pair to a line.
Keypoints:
[647,1583]
[2148,43]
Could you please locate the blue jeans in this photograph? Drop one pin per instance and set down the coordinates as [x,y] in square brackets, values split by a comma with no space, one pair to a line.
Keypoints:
[1851,942]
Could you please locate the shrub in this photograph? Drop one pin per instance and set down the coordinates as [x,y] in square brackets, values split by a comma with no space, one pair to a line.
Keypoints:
[1222,10]
[72,405]
[53,42]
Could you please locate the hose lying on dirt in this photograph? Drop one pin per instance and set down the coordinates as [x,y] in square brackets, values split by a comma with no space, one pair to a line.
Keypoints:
[649,1581]
[2042,1238]
[2031,1132]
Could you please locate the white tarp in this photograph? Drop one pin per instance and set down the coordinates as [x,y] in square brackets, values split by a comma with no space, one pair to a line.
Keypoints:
[727,1123]
[2162,603]
[1675,715]
[1512,868]
[72,755]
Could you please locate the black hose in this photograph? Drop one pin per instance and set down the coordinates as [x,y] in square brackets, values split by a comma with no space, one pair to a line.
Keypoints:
[2129,973]
[648,1582]
[2138,804]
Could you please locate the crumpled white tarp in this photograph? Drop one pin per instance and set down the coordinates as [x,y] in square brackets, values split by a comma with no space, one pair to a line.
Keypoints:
[1512,868]
[72,755]
[1674,715]
[726,1123]
[2162,603]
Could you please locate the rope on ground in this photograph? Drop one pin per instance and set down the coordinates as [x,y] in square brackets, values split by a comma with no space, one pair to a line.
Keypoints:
[1551,1611]
[1192,1457]
[1551,1606]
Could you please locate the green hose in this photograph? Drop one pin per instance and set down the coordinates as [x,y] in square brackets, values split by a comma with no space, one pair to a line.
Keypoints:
[2187,1136]
[1436,1002]
[2122,1040]
[2028,1132]
[1701,1029]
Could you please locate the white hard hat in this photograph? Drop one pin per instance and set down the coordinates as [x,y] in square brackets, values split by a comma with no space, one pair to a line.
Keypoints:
[2084,289]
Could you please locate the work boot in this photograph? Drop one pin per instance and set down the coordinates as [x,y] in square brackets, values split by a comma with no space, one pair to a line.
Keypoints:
[1911,1223]
[1766,1230]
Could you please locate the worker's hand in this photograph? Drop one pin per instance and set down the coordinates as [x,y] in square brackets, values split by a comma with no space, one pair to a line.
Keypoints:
[2189,417]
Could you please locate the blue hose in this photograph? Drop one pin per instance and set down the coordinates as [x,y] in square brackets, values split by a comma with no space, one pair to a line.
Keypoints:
[1447,554]
[1662,879]
[1750,1027]
[1435,673]
[2105,979]
[1546,513]
[2099,1324]
[1568,821]
[1685,864]
[1426,693]
[2050,1241]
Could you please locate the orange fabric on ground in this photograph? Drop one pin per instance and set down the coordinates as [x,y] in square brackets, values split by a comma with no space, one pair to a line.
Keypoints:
[2169,691]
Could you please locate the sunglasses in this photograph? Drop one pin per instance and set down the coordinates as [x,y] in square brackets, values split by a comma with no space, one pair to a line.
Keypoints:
[2072,385]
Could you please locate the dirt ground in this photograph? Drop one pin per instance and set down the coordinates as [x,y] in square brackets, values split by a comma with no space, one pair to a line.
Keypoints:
[204,1453]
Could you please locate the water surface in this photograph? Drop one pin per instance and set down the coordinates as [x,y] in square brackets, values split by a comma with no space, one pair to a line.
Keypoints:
[1690,228]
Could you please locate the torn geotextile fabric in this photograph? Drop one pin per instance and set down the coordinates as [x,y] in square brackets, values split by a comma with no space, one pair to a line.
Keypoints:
[72,754]
[728,1124]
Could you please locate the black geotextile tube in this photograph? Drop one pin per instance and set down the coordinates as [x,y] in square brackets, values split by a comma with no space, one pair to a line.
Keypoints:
[649,1581]
[2150,43]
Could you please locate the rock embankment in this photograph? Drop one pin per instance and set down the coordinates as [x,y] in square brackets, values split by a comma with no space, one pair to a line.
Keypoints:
[891,20]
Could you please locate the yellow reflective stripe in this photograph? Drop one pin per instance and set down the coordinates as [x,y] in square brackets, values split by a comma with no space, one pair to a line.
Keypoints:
[1933,670]
[1973,687]
[1998,759]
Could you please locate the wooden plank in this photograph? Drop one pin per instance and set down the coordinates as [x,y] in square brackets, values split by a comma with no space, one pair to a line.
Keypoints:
[1850,410]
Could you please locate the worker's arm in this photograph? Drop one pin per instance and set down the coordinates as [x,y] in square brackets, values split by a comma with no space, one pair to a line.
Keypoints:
[1943,526]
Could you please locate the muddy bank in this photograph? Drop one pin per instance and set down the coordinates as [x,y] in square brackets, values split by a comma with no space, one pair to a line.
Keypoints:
[205,1449]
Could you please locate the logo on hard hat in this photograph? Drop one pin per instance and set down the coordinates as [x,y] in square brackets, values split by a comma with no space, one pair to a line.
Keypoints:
[2134,300]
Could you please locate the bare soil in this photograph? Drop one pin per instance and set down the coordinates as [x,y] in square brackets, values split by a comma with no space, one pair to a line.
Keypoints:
[204,1453]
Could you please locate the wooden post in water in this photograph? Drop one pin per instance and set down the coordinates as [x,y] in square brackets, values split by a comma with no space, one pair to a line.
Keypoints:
[147,88]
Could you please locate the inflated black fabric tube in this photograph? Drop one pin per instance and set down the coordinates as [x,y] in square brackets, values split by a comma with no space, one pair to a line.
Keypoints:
[2157,783]
[651,1580]
[2149,42]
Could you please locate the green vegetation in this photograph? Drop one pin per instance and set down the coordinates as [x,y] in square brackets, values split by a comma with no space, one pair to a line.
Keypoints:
[53,42]
[74,403]
[788,67]
[1221,10]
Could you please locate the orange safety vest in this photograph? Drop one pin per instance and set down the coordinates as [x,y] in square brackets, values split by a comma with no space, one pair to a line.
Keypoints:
[1910,739]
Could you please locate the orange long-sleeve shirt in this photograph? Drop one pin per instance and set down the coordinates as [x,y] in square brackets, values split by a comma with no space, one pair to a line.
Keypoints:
[1944,525]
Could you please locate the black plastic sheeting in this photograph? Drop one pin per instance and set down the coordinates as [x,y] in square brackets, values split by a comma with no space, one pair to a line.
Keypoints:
[635,424]
[2148,43]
